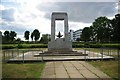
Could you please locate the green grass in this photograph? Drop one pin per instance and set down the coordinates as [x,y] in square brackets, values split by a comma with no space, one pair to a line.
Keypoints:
[22,70]
[108,67]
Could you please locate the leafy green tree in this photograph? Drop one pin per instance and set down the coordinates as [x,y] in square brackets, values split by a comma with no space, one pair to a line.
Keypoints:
[0,33]
[86,34]
[6,37]
[0,37]
[7,34]
[36,34]
[26,35]
[116,28]
[32,36]
[18,40]
[45,38]
[102,29]
[13,34]
[78,39]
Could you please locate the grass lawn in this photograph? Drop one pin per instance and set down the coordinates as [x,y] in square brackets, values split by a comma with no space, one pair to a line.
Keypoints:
[108,67]
[22,70]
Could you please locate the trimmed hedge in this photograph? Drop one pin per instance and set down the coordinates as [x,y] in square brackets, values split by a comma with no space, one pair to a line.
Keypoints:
[32,46]
[97,45]
[8,46]
[20,46]
[75,45]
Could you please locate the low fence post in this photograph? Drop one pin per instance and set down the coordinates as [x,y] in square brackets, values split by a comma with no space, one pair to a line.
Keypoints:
[12,54]
[4,56]
[18,53]
[108,52]
[42,56]
[118,62]
[23,56]
[85,54]
[118,54]
[102,54]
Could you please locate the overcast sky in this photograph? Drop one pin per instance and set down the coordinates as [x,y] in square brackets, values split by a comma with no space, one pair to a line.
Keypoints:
[22,15]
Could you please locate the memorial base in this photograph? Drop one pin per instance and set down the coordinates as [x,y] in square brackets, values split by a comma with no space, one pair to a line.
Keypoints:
[60,44]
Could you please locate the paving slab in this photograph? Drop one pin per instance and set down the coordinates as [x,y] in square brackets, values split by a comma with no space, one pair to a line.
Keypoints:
[73,70]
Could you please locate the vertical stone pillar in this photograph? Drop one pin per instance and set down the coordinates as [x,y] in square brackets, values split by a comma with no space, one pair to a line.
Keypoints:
[52,29]
[60,44]
[66,28]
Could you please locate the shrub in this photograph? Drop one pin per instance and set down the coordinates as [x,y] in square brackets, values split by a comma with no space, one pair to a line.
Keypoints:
[19,46]
[8,46]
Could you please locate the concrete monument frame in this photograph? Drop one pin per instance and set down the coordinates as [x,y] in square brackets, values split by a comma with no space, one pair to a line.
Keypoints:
[59,44]
[59,16]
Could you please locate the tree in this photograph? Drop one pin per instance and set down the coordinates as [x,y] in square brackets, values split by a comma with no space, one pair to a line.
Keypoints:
[45,38]
[13,34]
[36,34]
[85,34]
[0,33]
[102,29]
[18,40]
[116,28]
[32,36]
[0,37]
[78,39]
[26,35]
[6,37]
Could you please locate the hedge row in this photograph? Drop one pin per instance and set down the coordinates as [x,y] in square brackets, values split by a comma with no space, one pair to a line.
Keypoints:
[96,45]
[8,46]
[19,46]
[74,46]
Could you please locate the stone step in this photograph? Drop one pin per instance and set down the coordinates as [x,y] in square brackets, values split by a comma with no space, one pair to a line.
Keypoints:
[58,54]
[61,52]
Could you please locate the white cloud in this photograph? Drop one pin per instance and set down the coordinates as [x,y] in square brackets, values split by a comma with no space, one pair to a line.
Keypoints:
[21,37]
[31,14]
[84,12]
[2,7]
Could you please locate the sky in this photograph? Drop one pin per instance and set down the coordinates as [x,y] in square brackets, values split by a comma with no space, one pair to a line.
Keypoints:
[22,15]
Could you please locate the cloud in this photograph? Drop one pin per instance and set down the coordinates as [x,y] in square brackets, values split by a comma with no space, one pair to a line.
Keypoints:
[8,14]
[22,15]
[80,11]
[17,28]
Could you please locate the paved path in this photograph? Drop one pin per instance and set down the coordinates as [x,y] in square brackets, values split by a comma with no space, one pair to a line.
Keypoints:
[72,69]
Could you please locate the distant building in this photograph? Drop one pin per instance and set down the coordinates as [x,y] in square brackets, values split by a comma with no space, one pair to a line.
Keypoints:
[73,35]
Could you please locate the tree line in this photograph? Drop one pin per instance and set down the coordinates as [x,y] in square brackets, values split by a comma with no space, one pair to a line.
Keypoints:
[35,35]
[102,30]
[10,37]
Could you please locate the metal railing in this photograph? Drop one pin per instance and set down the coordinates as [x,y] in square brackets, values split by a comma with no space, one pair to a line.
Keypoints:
[23,55]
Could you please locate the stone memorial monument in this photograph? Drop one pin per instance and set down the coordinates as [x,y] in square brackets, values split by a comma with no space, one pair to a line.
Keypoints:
[59,44]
